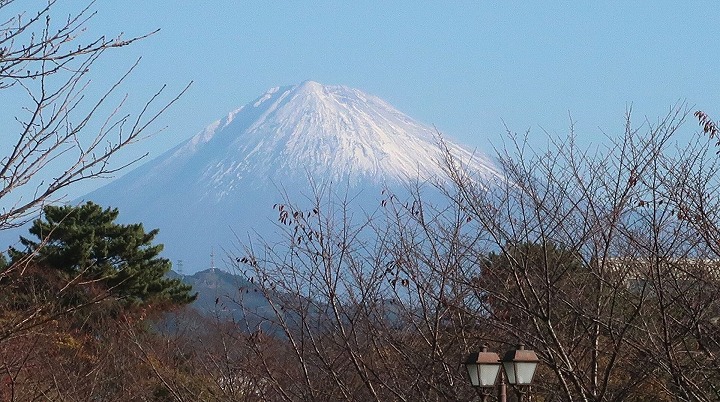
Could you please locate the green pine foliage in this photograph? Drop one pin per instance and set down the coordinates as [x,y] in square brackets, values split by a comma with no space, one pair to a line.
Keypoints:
[86,242]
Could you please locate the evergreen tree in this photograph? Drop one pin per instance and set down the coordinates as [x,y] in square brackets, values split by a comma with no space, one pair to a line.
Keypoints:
[85,241]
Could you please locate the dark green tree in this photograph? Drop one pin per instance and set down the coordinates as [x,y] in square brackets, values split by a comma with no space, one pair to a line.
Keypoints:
[86,242]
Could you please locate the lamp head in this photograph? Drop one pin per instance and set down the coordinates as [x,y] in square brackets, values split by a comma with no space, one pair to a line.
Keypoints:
[520,365]
[483,368]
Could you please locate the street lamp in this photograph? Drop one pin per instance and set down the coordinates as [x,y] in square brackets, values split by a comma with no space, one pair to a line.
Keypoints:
[519,369]
[483,369]
[520,365]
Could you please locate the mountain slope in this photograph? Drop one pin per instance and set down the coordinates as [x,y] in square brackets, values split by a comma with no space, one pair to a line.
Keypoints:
[223,181]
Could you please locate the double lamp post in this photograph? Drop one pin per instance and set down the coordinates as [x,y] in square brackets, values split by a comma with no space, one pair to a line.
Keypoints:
[519,366]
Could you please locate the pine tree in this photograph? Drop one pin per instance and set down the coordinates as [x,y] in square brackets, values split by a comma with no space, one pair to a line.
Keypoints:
[85,241]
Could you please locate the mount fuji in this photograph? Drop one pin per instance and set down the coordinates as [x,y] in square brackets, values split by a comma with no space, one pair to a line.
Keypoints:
[221,183]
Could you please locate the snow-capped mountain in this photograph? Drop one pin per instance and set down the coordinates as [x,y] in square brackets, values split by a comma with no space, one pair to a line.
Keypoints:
[223,181]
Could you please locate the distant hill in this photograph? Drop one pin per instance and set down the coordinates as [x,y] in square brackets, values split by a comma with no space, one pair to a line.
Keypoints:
[219,293]
[229,297]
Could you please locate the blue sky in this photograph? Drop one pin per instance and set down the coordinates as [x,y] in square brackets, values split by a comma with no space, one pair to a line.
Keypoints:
[468,67]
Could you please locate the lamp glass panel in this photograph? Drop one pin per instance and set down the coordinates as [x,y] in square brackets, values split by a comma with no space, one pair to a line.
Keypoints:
[488,374]
[524,372]
[474,374]
[509,371]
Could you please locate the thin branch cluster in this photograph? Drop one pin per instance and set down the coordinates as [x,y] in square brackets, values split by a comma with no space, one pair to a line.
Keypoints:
[59,137]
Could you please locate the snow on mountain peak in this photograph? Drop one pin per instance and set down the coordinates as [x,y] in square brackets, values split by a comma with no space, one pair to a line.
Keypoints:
[329,133]
[332,132]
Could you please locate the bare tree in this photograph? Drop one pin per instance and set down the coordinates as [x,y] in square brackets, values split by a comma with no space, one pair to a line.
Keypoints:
[361,305]
[60,136]
[57,133]
[604,261]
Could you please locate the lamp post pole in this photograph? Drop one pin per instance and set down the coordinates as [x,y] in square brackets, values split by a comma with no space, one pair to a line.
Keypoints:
[502,393]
